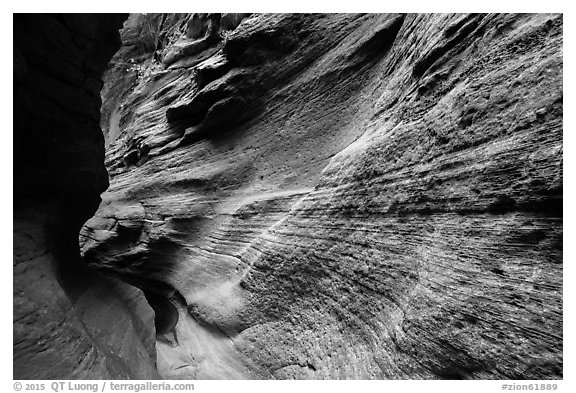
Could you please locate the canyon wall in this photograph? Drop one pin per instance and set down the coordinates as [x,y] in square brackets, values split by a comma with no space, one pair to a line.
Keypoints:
[69,321]
[339,195]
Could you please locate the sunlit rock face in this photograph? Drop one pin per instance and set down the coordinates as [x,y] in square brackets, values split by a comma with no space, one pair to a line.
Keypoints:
[69,320]
[339,196]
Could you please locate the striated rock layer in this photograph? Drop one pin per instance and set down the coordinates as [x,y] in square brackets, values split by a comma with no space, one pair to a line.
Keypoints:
[339,196]
[69,321]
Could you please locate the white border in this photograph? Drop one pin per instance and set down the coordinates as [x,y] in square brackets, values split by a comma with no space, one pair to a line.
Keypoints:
[6,203]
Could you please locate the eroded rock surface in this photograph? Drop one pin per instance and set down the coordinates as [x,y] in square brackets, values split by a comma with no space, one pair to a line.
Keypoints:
[341,196]
[69,321]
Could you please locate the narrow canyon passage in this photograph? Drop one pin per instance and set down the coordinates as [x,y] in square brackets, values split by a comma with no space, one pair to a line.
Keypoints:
[303,196]
[200,352]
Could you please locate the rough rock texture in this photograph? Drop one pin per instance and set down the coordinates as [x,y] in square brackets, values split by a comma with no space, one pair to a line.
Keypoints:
[341,196]
[69,320]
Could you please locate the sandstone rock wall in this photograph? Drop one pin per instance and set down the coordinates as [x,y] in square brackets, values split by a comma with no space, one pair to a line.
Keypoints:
[69,320]
[343,196]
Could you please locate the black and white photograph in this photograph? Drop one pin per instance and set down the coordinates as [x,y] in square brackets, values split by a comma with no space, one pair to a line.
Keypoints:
[286,196]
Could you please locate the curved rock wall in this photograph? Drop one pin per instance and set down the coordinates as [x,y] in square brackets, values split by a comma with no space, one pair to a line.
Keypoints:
[69,321]
[343,196]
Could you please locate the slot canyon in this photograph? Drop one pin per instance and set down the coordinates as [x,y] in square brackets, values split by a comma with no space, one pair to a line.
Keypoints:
[288,196]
